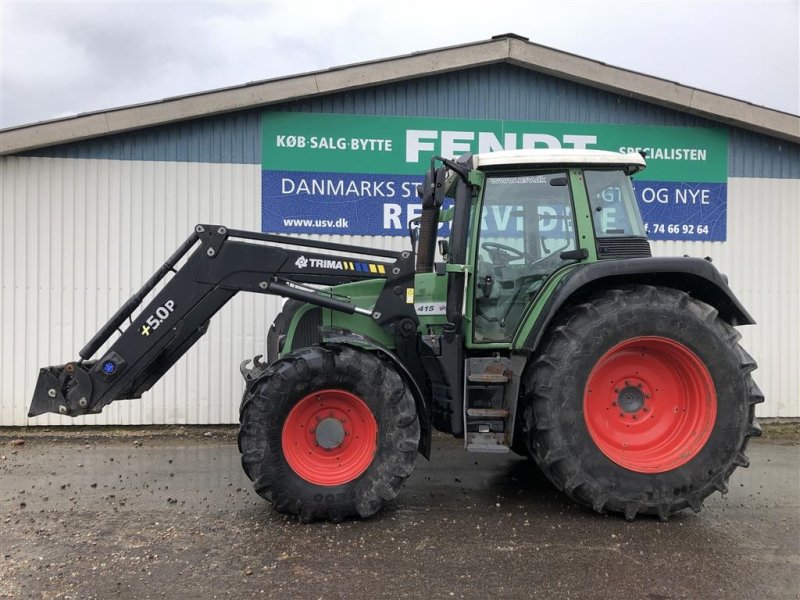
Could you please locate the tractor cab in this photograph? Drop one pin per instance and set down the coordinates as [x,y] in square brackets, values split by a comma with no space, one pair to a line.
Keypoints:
[529,214]
[520,221]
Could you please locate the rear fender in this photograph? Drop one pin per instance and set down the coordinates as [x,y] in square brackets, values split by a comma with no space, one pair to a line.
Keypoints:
[695,276]
[331,335]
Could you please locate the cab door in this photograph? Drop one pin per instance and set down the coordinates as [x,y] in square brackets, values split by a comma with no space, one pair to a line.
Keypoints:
[526,223]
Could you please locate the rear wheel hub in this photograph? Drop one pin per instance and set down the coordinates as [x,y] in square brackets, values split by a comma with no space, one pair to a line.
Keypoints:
[650,404]
[631,399]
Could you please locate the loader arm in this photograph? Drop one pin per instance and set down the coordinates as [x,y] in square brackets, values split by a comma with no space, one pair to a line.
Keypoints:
[220,263]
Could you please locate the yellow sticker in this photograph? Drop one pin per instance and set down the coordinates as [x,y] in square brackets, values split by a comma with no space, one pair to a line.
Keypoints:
[409,295]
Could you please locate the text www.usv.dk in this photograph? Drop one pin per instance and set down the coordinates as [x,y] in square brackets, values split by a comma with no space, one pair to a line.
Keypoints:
[321,223]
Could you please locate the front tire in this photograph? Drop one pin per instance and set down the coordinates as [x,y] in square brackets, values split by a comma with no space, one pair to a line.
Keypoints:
[328,432]
[640,402]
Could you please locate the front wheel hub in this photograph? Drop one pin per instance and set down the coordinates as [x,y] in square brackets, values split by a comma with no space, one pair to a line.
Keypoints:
[330,437]
[650,404]
[329,433]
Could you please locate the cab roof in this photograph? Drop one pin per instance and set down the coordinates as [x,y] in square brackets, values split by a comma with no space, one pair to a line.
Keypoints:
[568,157]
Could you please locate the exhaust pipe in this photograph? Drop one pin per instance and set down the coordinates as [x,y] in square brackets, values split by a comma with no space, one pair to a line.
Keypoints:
[432,194]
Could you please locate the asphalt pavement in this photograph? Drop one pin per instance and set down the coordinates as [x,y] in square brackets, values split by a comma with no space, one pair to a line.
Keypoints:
[162,514]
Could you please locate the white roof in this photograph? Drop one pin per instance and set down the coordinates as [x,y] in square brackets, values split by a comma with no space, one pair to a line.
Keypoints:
[561,156]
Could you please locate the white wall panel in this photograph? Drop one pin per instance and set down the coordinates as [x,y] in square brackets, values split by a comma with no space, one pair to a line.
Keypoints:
[79,236]
[761,257]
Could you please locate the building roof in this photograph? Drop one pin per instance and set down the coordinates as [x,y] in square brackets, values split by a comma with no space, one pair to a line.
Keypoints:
[507,48]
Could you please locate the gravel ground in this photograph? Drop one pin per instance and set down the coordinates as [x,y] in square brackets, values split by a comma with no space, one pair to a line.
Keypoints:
[167,513]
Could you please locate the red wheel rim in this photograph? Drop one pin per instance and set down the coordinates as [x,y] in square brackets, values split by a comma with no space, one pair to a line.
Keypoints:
[650,404]
[330,437]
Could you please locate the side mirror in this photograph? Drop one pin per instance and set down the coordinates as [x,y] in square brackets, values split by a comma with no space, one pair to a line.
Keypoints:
[427,190]
[431,192]
[444,248]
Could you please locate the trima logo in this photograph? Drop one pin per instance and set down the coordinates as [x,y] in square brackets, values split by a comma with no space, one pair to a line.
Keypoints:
[319,263]
[339,265]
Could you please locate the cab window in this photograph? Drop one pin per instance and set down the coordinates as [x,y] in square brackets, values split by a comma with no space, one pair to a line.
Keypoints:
[613,204]
[526,223]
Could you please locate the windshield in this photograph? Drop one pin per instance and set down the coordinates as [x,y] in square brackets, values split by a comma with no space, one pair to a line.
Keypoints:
[614,209]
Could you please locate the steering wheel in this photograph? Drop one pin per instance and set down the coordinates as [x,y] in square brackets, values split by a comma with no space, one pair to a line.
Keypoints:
[502,254]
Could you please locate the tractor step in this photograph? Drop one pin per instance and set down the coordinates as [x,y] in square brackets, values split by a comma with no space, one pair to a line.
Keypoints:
[490,402]
[488,413]
[486,442]
[487,378]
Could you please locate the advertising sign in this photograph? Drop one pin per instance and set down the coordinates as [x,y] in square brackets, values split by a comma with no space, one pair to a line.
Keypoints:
[348,174]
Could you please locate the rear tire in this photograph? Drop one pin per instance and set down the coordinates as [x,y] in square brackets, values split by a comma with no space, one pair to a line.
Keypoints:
[640,401]
[327,433]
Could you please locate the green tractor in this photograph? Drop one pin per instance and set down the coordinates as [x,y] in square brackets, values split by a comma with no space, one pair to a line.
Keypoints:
[546,329]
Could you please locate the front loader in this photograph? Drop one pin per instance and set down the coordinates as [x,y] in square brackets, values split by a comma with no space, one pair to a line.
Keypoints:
[546,329]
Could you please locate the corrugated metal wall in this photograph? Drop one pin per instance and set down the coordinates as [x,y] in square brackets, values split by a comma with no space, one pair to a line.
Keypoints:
[762,259]
[79,236]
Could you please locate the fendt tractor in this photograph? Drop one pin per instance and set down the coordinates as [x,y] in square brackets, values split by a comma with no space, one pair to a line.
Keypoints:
[546,329]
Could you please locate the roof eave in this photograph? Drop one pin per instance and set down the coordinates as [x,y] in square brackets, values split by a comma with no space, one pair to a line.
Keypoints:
[505,49]
[656,91]
[265,93]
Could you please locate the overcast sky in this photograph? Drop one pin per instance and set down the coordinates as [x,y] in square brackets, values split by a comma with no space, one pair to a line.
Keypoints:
[63,58]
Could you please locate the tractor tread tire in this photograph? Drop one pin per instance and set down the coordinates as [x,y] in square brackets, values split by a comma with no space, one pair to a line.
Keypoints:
[550,417]
[267,401]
